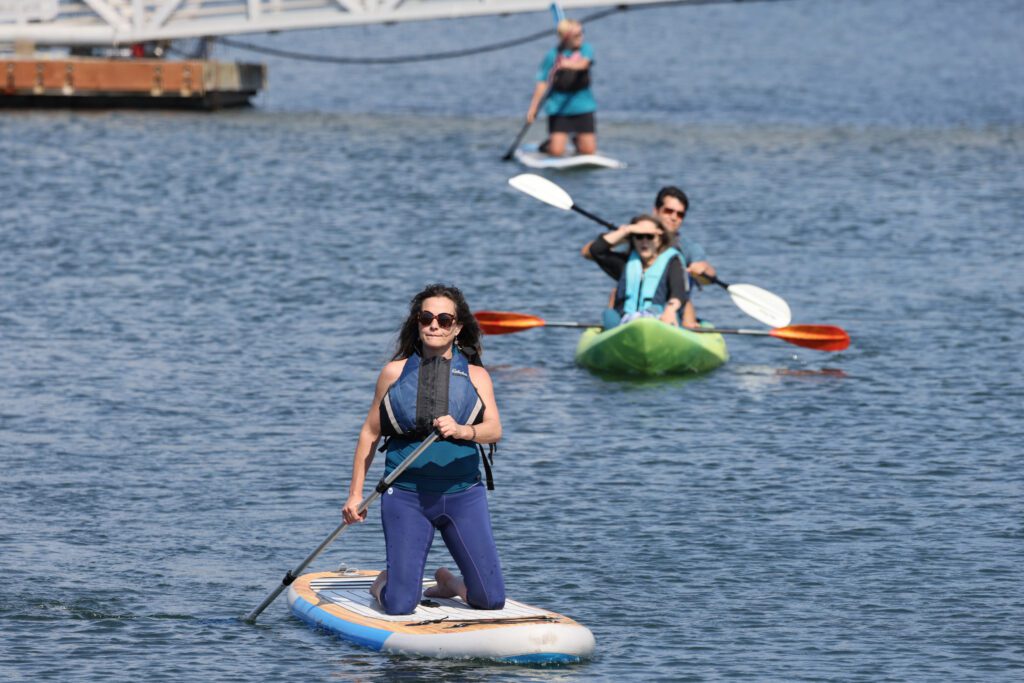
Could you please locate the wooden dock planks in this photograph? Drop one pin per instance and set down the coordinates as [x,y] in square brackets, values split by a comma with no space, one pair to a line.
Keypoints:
[90,81]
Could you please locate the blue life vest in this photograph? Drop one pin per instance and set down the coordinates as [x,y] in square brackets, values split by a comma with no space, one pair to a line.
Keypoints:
[427,390]
[423,392]
[641,290]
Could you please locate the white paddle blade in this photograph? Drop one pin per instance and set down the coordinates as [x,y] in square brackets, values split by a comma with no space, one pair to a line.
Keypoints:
[761,305]
[543,189]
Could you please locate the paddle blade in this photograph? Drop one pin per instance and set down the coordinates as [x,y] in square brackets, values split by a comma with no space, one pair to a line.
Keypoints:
[501,322]
[761,305]
[542,189]
[820,337]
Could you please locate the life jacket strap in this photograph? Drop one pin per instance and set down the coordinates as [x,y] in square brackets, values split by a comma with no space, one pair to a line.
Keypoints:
[488,459]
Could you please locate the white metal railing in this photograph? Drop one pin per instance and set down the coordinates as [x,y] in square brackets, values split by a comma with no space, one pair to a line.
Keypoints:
[120,22]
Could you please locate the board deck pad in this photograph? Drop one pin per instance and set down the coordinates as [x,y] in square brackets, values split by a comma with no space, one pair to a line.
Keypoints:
[528,156]
[353,594]
[340,602]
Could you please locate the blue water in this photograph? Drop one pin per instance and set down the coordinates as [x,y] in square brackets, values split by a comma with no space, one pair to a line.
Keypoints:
[193,310]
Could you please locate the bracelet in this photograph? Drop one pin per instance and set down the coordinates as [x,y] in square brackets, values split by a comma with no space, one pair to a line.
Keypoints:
[473,428]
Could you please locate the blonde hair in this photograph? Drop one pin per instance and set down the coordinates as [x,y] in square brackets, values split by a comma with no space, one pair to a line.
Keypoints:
[567,26]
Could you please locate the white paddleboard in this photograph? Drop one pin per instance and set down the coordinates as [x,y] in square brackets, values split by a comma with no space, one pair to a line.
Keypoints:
[340,602]
[528,156]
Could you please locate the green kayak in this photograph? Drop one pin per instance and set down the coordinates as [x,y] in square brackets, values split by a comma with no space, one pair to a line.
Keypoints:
[648,347]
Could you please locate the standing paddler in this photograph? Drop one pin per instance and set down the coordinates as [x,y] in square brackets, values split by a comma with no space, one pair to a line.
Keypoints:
[434,382]
[564,76]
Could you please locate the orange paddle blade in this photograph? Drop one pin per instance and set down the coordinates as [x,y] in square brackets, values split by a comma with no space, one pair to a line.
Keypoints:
[501,322]
[820,337]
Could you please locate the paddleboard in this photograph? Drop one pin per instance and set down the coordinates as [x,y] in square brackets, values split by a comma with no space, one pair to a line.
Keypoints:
[340,603]
[528,156]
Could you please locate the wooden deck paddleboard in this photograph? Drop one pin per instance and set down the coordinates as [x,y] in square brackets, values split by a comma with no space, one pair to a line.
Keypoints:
[340,602]
[528,156]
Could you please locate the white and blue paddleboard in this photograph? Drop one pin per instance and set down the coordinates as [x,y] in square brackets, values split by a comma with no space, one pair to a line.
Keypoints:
[340,602]
[528,156]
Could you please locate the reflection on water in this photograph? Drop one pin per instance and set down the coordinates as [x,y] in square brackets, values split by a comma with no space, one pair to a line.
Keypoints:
[761,378]
[823,372]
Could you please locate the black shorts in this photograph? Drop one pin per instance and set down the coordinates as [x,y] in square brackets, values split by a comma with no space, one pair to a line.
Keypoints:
[574,125]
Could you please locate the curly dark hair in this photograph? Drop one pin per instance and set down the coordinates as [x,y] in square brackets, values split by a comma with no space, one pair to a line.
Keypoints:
[468,340]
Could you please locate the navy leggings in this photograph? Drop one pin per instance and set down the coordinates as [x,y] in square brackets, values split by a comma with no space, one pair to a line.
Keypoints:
[465,524]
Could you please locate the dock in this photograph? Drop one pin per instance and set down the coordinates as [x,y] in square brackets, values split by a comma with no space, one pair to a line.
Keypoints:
[144,83]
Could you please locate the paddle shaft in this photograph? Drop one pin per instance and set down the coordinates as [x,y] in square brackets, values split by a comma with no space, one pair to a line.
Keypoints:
[714,279]
[381,487]
[547,324]
[596,219]
[706,330]
[715,330]
[519,138]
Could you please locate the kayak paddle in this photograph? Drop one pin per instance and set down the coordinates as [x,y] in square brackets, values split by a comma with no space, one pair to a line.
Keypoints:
[819,337]
[758,303]
[546,191]
[501,322]
[381,487]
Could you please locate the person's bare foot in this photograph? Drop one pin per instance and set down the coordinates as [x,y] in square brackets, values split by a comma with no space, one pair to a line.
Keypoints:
[378,584]
[448,586]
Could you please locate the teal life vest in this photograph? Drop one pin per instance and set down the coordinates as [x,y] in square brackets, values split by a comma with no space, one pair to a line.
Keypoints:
[424,391]
[646,290]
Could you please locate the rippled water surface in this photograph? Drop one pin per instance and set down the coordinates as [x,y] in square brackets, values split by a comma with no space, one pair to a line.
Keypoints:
[193,310]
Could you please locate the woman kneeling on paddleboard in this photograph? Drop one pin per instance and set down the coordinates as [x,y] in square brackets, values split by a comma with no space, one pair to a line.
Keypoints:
[434,382]
[652,282]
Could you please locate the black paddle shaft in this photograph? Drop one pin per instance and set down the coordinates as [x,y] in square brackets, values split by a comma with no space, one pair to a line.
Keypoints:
[714,279]
[519,138]
[381,487]
[596,219]
[526,126]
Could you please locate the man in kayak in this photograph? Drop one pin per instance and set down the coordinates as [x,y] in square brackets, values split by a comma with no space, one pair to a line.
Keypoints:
[670,207]
[564,76]
[651,281]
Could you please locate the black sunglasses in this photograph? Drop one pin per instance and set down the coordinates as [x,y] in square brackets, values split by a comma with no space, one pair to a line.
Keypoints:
[673,212]
[643,236]
[444,320]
